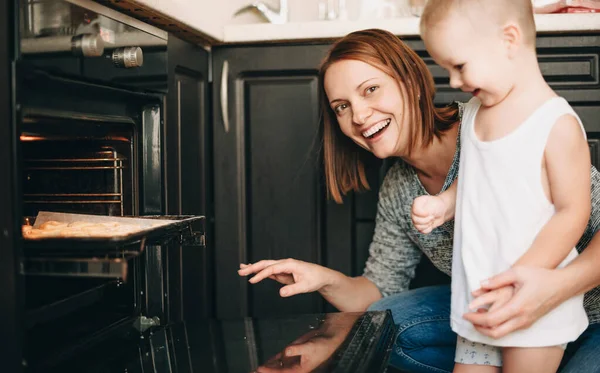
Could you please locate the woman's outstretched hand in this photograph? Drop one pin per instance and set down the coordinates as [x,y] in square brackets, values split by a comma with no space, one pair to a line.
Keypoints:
[298,276]
[535,293]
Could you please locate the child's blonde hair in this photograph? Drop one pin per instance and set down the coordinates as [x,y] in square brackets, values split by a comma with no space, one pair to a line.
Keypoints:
[501,11]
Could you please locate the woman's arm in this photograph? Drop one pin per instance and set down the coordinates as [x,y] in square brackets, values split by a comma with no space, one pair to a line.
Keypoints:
[350,293]
[393,257]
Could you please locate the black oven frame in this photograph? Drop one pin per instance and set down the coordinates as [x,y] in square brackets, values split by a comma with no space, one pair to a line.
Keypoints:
[11,321]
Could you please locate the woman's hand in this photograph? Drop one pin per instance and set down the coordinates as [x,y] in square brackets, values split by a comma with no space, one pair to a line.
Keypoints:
[298,276]
[536,291]
[428,213]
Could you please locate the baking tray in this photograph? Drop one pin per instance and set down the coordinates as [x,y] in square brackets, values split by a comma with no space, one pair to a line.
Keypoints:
[154,229]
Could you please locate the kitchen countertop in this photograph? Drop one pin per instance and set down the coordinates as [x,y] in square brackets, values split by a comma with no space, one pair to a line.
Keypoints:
[319,30]
[201,28]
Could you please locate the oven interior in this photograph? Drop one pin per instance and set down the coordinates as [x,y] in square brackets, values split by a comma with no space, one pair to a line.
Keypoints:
[77,167]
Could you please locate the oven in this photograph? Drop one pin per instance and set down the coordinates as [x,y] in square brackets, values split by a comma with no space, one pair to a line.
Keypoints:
[89,88]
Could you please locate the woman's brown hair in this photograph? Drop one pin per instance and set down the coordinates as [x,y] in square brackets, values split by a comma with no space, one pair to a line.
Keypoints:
[344,160]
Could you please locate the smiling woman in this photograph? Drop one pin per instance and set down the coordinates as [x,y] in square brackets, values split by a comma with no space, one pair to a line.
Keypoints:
[377,92]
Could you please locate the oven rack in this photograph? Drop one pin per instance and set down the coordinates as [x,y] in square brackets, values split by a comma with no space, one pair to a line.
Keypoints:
[97,162]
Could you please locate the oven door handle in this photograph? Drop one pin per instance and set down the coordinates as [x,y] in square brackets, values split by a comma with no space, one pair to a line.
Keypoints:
[225,96]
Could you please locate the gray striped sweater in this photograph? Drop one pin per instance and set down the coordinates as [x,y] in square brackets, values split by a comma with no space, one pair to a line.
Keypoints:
[397,246]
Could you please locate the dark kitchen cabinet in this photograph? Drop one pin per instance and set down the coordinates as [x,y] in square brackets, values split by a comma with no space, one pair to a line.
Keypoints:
[188,181]
[270,199]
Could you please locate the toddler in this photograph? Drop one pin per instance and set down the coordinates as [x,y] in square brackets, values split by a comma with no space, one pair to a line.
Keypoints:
[522,197]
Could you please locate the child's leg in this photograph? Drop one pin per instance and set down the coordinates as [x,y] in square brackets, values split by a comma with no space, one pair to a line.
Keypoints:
[473,357]
[464,368]
[532,359]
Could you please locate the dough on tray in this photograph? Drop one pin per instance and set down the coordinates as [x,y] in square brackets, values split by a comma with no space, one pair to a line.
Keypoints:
[80,229]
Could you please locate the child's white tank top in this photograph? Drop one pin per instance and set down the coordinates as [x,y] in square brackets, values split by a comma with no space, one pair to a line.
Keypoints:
[500,209]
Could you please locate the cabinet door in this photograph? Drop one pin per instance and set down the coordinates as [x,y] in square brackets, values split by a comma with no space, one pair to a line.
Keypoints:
[187,178]
[270,199]
[594,145]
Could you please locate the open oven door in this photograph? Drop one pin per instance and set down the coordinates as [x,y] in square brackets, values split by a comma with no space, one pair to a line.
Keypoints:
[85,292]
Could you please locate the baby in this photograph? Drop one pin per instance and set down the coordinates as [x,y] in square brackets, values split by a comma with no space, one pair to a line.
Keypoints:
[522,197]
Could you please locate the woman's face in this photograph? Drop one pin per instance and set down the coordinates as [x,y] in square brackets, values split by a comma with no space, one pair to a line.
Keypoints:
[369,106]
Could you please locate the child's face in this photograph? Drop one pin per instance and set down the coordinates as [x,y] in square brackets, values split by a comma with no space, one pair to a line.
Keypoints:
[474,55]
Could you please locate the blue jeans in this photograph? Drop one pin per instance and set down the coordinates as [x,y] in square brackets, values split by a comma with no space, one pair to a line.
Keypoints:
[426,343]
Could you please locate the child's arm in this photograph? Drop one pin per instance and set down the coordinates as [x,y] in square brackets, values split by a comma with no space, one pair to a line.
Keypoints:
[567,160]
[429,212]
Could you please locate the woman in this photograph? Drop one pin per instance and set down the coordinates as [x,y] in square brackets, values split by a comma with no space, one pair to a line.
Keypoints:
[378,94]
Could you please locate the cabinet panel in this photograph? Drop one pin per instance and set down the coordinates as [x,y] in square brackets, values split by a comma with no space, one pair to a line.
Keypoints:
[594,145]
[188,178]
[568,68]
[284,197]
[364,236]
[269,191]
[366,202]
[589,115]
[569,63]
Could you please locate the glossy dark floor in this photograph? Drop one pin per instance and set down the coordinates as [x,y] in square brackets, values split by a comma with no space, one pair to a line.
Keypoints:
[335,342]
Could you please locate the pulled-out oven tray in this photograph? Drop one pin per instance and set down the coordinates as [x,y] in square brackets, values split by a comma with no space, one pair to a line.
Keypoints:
[152,229]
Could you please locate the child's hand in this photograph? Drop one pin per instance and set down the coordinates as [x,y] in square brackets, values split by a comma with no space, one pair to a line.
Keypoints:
[428,213]
[494,298]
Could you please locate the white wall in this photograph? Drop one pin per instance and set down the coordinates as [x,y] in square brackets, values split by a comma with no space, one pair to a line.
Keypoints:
[207,15]
[299,10]
[211,16]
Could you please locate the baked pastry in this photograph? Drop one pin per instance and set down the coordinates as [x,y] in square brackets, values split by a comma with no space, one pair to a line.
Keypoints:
[51,225]
[80,229]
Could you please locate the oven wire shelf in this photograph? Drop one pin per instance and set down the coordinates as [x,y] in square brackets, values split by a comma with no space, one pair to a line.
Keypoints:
[100,165]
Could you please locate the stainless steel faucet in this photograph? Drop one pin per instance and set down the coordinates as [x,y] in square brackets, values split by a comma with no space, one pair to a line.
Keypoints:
[279,16]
